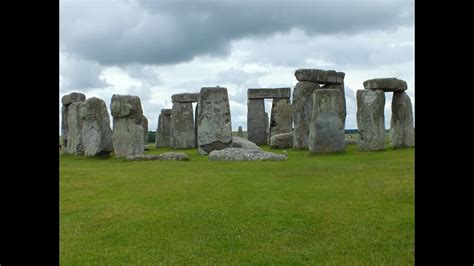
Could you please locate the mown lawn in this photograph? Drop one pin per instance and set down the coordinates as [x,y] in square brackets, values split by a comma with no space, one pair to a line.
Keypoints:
[353,208]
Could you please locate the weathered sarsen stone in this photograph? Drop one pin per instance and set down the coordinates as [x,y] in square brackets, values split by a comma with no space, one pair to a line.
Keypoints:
[185,98]
[182,126]
[282,141]
[74,130]
[214,121]
[385,84]
[128,120]
[302,109]
[162,137]
[401,124]
[96,131]
[281,120]
[256,121]
[269,93]
[326,128]
[370,119]
[320,76]
[66,101]
[145,130]
[238,142]
[341,100]
[242,154]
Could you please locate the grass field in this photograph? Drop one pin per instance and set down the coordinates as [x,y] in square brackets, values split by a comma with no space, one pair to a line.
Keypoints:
[353,208]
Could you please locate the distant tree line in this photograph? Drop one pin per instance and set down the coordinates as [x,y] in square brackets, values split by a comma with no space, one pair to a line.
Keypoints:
[151,137]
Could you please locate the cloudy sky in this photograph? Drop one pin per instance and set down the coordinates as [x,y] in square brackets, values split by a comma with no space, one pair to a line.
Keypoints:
[157,48]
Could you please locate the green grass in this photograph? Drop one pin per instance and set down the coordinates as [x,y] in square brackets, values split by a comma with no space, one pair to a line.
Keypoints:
[352,208]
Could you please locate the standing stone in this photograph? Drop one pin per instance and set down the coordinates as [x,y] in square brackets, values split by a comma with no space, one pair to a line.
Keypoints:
[341,99]
[302,109]
[326,127]
[66,101]
[145,130]
[267,128]
[370,119]
[182,126]
[128,121]
[214,121]
[74,130]
[96,132]
[256,122]
[240,133]
[162,137]
[281,141]
[281,117]
[401,124]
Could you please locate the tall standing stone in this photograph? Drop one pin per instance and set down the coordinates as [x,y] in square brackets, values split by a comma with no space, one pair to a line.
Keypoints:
[401,124]
[66,102]
[302,109]
[370,119]
[281,120]
[341,99]
[256,122]
[128,120]
[326,127]
[182,126]
[162,137]
[96,131]
[214,121]
[145,130]
[74,130]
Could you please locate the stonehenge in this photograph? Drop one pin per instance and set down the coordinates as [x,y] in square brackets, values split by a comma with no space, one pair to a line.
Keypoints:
[371,118]
[96,132]
[213,120]
[162,137]
[309,82]
[281,119]
[128,121]
[314,120]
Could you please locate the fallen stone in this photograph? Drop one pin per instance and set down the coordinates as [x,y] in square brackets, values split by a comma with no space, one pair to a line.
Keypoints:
[242,154]
[281,141]
[173,156]
[238,142]
[142,157]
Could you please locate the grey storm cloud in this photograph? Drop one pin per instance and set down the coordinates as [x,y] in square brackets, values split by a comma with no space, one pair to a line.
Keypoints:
[80,74]
[168,32]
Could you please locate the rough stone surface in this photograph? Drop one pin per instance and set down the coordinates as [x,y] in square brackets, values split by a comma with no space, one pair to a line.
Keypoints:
[182,126]
[351,141]
[73,97]
[128,120]
[74,130]
[256,121]
[370,119]
[238,142]
[66,101]
[162,137]
[320,76]
[240,133]
[142,157]
[240,154]
[341,99]
[173,156]
[401,124]
[302,109]
[270,93]
[166,111]
[281,117]
[185,98]
[282,141]
[326,127]
[96,131]
[214,121]
[385,84]
[145,130]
